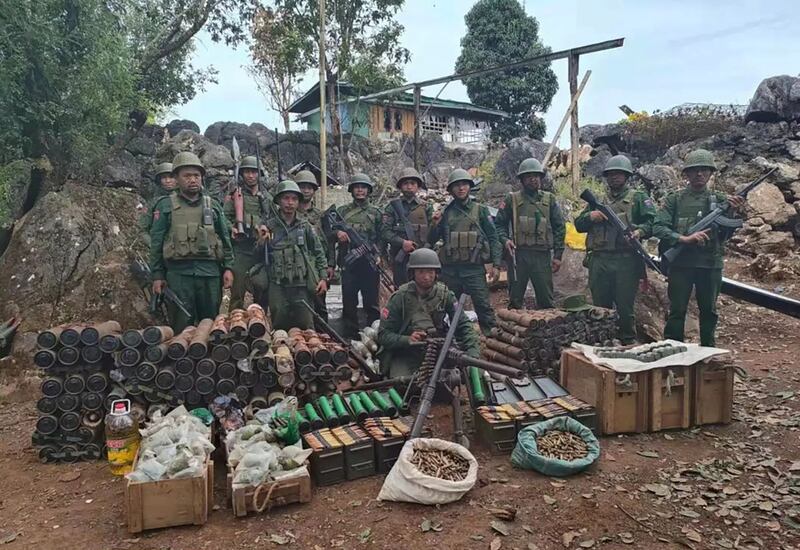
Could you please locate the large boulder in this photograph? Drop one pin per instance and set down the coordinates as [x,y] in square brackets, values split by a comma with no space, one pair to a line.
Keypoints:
[175,126]
[767,202]
[122,170]
[776,98]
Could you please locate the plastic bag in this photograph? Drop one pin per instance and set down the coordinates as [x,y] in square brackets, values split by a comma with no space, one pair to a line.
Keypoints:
[573,239]
[405,483]
[526,453]
[147,470]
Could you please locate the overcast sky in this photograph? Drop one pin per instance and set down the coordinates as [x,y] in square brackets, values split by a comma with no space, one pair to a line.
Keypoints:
[676,51]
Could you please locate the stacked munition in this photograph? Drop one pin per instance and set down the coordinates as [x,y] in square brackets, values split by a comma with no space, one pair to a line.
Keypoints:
[76,363]
[532,340]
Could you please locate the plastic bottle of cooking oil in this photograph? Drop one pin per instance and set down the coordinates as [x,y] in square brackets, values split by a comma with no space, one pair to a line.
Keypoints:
[122,437]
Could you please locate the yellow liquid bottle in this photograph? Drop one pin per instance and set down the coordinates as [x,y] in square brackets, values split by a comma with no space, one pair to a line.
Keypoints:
[122,437]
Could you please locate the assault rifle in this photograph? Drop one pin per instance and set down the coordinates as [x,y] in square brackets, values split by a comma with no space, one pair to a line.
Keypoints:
[401,255]
[359,246]
[625,230]
[140,270]
[715,218]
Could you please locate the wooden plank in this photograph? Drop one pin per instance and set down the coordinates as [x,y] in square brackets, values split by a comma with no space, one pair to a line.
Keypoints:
[573,105]
[572,71]
[133,500]
[713,394]
[670,398]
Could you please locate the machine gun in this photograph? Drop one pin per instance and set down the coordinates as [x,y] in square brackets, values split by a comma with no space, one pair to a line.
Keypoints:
[359,246]
[715,218]
[140,270]
[401,255]
[447,364]
[625,230]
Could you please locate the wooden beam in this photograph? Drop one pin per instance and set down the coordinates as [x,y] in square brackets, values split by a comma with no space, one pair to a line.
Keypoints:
[564,120]
[323,132]
[573,130]
[417,122]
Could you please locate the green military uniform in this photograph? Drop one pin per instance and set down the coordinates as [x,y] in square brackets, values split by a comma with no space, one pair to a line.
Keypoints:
[467,232]
[313,216]
[296,265]
[361,276]
[698,267]
[146,218]
[190,251]
[533,220]
[406,312]
[614,269]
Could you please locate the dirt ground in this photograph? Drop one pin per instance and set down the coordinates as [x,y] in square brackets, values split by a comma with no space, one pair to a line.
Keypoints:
[734,486]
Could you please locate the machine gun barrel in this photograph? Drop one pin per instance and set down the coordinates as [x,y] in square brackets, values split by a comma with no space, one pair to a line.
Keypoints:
[463,360]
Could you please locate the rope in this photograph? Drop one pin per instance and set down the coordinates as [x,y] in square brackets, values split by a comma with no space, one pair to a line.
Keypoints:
[670,382]
[624,381]
[266,504]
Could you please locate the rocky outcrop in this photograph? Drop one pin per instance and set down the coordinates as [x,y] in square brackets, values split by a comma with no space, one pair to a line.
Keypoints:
[776,98]
[175,126]
[768,205]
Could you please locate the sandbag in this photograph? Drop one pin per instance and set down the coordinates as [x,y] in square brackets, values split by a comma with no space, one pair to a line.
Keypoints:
[405,483]
[526,453]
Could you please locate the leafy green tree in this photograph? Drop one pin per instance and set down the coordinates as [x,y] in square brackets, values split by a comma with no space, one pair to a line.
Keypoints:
[499,31]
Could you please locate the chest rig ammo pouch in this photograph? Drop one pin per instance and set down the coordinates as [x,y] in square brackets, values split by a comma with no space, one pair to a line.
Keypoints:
[288,265]
[605,236]
[417,220]
[691,209]
[464,238]
[426,314]
[533,229]
[191,234]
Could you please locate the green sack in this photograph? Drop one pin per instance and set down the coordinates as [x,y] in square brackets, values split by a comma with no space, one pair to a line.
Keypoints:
[526,453]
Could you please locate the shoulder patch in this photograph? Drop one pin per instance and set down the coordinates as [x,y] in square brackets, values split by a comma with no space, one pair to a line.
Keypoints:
[384,313]
[648,202]
[156,215]
[502,206]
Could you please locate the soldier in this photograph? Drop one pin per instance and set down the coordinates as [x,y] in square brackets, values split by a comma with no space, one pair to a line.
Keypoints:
[614,269]
[700,264]
[470,242]
[530,225]
[416,310]
[165,184]
[256,205]
[297,264]
[190,245]
[360,276]
[308,185]
[408,210]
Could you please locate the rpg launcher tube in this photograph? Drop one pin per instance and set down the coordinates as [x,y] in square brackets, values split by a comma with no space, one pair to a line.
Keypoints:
[341,410]
[383,404]
[394,395]
[303,424]
[327,411]
[477,386]
[313,417]
[372,409]
[358,408]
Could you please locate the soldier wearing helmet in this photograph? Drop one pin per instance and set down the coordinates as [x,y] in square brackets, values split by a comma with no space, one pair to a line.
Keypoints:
[307,182]
[469,243]
[699,267]
[360,276]
[190,245]
[295,265]
[256,204]
[165,184]
[406,221]
[416,311]
[614,269]
[531,228]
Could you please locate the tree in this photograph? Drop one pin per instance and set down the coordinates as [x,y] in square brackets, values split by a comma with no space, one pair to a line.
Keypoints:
[499,31]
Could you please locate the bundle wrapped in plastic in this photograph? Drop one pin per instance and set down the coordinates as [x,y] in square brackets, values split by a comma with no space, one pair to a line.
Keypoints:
[263,462]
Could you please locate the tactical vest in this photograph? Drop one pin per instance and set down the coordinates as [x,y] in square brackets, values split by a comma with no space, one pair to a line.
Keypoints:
[532,226]
[690,208]
[463,235]
[424,313]
[361,220]
[188,237]
[288,266]
[605,236]
[417,219]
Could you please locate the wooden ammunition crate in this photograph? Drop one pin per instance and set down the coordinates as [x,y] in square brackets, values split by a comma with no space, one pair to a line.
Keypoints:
[621,400]
[712,398]
[170,502]
[280,493]
[670,398]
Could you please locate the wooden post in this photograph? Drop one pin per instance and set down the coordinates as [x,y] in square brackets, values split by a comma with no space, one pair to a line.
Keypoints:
[573,131]
[323,134]
[417,122]
[564,120]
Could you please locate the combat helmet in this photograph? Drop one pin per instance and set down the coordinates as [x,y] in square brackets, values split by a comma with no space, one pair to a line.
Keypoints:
[530,166]
[306,176]
[249,162]
[459,174]
[363,179]
[620,163]
[286,186]
[163,168]
[423,258]
[700,158]
[184,159]
[410,173]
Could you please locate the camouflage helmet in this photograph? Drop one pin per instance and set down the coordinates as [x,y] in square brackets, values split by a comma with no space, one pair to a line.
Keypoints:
[530,166]
[184,159]
[249,162]
[286,186]
[620,163]
[163,168]
[700,158]
[363,179]
[459,174]
[306,176]
[423,258]
[410,174]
